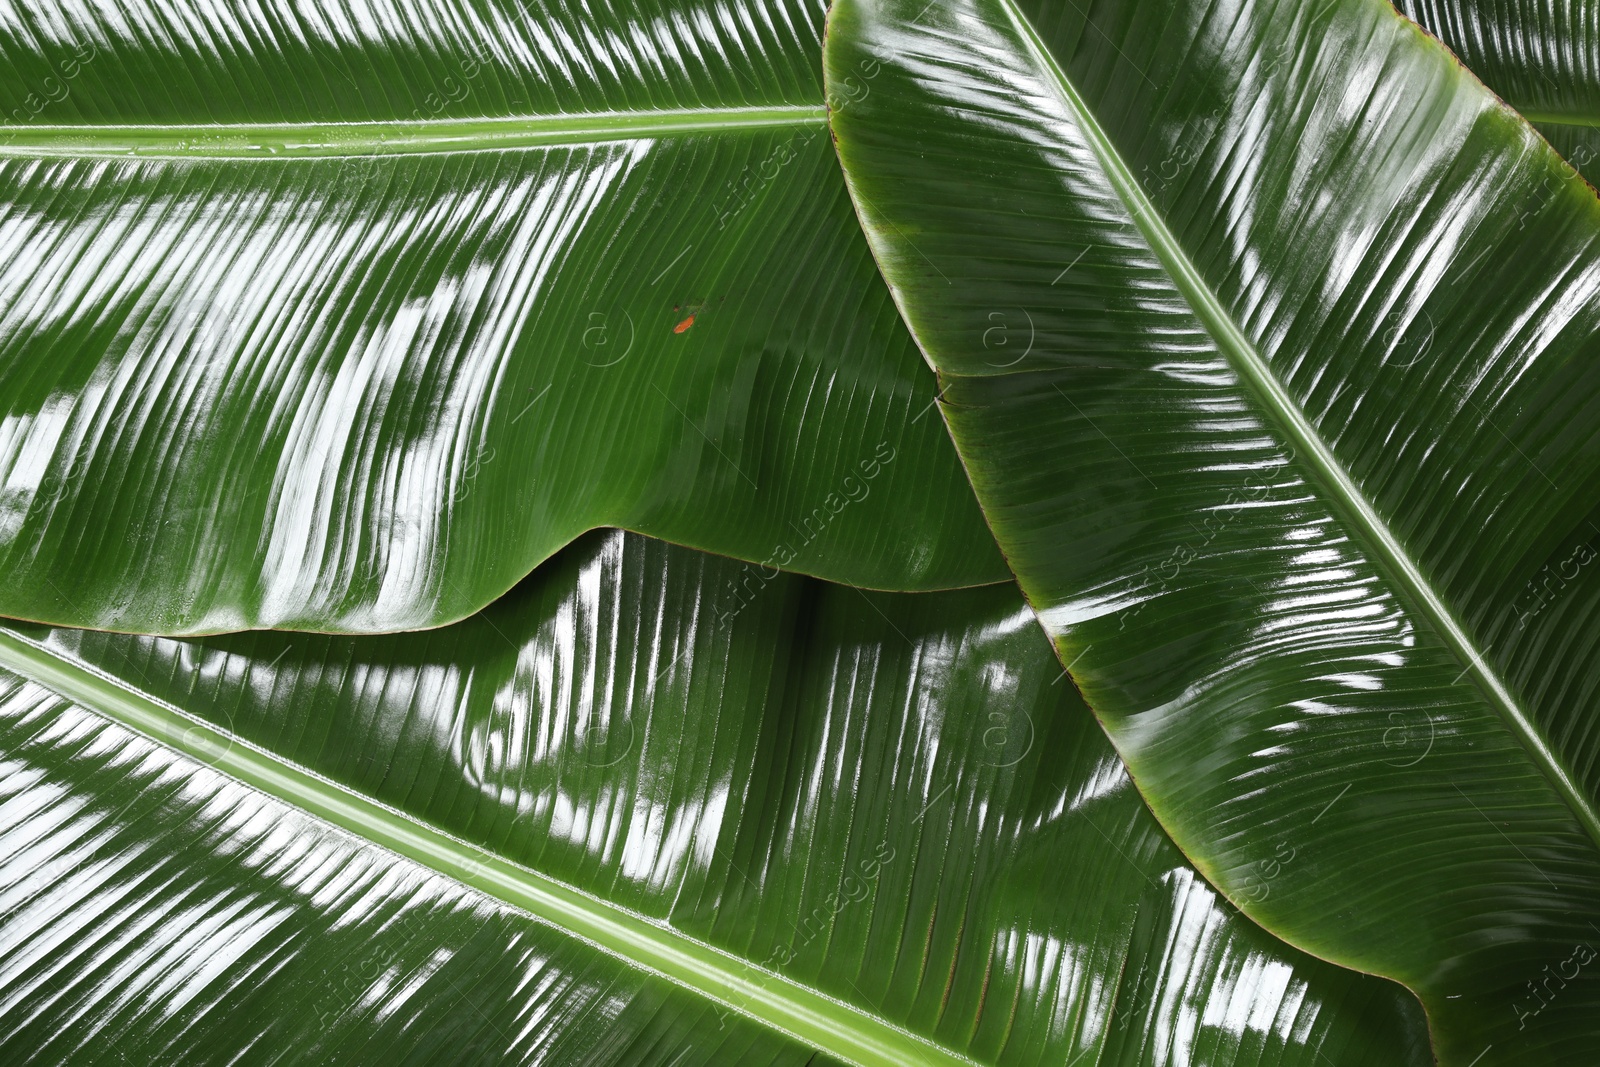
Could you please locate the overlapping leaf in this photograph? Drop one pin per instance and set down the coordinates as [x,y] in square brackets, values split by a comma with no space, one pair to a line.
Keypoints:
[1300,467]
[343,318]
[1542,56]
[886,809]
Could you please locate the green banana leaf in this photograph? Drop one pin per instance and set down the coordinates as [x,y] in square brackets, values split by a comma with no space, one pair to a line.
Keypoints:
[344,318]
[1294,448]
[754,819]
[1541,56]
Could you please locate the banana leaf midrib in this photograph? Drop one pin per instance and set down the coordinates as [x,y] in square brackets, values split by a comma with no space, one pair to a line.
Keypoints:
[1337,484]
[807,1015]
[397,137]
[1558,118]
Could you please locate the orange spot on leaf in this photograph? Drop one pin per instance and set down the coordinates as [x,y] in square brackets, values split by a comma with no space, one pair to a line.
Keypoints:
[684,325]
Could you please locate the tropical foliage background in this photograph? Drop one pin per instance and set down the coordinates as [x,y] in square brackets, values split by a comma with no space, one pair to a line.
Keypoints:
[970,532]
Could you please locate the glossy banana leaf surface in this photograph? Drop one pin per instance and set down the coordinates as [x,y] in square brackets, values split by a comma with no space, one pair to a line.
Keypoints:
[1268,338]
[755,819]
[1541,56]
[154,913]
[343,317]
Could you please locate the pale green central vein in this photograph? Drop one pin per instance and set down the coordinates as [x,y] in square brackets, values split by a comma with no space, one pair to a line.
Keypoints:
[314,139]
[1559,118]
[837,1029]
[1308,443]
